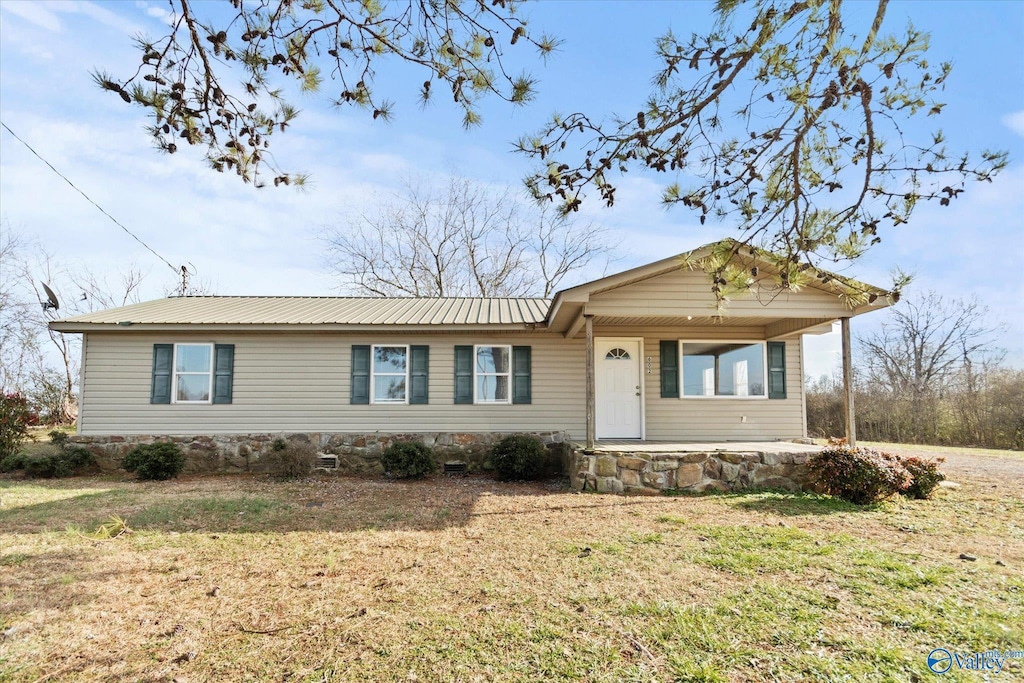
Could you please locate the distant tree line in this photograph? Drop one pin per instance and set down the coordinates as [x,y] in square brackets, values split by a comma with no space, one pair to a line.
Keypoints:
[931,376]
[36,362]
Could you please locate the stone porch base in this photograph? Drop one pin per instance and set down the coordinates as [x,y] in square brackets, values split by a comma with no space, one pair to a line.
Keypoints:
[651,467]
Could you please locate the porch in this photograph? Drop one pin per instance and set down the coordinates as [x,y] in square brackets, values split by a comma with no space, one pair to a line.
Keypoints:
[702,348]
[653,467]
[660,447]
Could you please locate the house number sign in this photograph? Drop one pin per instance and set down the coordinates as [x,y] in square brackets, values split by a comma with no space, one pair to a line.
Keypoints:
[648,365]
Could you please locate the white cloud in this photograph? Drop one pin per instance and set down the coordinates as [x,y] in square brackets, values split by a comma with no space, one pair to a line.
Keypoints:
[244,240]
[33,12]
[45,15]
[823,354]
[1015,122]
[27,45]
[155,11]
[94,12]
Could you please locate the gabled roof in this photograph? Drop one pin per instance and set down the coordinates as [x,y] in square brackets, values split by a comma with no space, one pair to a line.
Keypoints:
[562,314]
[686,260]
[304,312]
[569,305]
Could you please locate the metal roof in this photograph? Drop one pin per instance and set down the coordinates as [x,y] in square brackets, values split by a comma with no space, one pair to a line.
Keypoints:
[290,310]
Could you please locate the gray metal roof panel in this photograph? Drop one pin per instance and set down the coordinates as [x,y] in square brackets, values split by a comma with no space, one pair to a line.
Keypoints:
[252,310]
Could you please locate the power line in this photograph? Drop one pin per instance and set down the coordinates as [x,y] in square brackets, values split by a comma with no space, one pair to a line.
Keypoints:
[89,199]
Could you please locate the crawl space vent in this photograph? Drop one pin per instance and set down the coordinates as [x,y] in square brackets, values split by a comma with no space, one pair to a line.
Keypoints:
[455,467]
[327,462]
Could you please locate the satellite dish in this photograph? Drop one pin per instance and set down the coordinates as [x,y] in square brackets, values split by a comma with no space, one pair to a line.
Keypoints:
[52,299]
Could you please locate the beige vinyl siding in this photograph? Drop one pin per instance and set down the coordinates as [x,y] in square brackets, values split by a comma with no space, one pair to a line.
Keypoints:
[300,382]
[686,292]
[720,419]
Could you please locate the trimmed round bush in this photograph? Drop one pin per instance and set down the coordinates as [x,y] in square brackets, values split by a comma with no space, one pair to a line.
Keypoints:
[49,462]
[291,459]
[519,457]
[408,460]
[155,461]
[924,477]
[859,475]
[58,438]
[13,462]
[79,456]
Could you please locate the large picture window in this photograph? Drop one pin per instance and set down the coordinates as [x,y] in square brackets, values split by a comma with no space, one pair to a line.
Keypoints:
[733,369]
[193,373]
[492,368]
[390,374]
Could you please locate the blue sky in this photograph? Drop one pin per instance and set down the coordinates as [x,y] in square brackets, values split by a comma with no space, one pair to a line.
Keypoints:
[245,241]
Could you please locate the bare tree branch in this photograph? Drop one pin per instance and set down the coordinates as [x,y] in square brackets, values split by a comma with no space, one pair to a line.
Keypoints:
[461,238]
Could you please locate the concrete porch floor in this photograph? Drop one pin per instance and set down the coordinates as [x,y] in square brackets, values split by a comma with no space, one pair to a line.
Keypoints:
[654,447]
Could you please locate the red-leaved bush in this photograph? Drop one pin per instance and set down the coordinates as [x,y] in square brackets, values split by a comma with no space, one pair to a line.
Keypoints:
[16,416]
[859,475]
[925,476]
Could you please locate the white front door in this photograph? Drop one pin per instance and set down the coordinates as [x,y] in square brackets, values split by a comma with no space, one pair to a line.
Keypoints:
[617,396]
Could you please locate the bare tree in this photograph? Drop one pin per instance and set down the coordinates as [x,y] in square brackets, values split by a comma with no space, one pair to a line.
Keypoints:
[35,360]
[928,347]
[19,338]
[461,238]
[84,292]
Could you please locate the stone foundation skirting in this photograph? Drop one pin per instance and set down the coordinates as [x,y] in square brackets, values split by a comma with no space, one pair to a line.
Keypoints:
[690,471]
[358,453]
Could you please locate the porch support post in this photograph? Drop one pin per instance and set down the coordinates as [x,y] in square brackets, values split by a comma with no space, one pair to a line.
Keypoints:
[590,381]
[848,412]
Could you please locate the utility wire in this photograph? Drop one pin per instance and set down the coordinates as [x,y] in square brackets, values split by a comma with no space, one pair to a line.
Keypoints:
[89,199]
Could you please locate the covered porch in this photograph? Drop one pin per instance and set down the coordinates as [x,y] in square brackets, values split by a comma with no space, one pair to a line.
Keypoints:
[716,359]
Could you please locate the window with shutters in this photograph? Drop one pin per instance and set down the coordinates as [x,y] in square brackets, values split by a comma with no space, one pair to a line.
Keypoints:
[724,369]
[193,373]
[389,372]
[493,374]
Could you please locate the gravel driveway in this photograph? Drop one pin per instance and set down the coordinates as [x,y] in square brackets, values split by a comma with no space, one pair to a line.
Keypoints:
[998,471]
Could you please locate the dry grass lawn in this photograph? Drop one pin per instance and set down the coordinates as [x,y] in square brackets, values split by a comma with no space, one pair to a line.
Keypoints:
[465,579]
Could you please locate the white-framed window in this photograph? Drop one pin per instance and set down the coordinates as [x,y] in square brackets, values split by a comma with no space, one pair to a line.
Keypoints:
[492,374]
[389,374]
[193,373]
[724,369]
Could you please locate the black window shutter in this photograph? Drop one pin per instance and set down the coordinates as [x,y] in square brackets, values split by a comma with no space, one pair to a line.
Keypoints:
[160,389]
[223,372]
[419,374]
[669,368]
[360,389]
[521,380]
[463,374]
[776,369]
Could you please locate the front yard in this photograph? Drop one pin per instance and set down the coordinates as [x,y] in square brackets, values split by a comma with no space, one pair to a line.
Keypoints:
[239,578]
